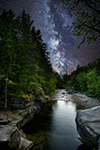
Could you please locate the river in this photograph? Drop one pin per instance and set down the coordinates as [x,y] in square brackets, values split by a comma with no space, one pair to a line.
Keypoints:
[54,128]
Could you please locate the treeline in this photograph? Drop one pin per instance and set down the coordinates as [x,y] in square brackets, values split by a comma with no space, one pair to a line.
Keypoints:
[24,60]
[85,79]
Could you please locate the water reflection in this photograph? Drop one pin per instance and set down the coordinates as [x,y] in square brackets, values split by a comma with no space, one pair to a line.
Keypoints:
[55,128]
[63,133]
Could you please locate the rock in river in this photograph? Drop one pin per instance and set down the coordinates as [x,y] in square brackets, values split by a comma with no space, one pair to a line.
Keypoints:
[88,126]
[11,136]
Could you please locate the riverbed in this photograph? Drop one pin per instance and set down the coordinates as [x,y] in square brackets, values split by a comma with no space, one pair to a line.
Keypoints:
[54,128]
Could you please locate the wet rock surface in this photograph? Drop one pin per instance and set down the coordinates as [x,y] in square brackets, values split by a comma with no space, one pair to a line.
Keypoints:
[10,133]
[88,126]
[87,119]
[12,121]
[81,100]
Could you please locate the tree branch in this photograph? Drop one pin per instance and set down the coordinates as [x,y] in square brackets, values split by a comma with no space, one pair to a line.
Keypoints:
[91,7]
[92,27]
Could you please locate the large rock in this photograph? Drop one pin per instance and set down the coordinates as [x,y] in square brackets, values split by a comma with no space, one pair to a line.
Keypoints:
[71,91]
[82,101]
[12,121]
[88,126]
[9,134]
[10,137]
[25,144]
[19,103]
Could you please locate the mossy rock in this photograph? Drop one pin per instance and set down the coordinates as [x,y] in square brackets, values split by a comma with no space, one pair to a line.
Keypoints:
[39,140]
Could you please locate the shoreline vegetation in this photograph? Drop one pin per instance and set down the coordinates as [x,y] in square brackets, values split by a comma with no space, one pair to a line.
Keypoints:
[85,79]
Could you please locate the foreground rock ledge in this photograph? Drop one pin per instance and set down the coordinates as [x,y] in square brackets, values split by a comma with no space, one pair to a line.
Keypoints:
[11,136]
[88,126]
[12,121]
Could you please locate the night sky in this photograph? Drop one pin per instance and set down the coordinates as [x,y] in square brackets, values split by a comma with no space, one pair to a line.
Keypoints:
[51,18]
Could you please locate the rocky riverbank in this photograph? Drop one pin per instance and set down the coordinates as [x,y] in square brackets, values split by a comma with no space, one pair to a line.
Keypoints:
[11,122]
[87,118]
[82,101]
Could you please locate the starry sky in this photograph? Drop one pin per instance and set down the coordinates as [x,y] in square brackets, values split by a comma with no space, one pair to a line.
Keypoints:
[50,16]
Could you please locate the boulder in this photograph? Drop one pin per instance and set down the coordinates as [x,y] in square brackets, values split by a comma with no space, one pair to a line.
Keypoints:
[18,103]
[9,134]
[88,126]
[28,113]
[82,101]
[12,121]
[71,91]
[12,138]
[25,144]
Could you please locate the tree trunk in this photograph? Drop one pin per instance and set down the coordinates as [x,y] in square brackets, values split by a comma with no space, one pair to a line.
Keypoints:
[6,80]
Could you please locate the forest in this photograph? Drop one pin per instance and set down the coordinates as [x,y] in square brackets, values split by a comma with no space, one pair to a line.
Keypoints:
[85,79]
[25,66]
[85,25]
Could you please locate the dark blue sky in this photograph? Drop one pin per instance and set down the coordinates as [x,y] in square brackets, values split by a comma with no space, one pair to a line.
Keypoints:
[51,18]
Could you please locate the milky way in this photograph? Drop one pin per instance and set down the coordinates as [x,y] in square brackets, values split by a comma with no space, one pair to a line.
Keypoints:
[51,18]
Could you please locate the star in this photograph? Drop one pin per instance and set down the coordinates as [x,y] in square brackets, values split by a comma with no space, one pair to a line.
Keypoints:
[51,18]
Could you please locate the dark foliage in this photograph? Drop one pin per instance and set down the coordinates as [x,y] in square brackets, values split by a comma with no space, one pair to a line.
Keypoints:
[24,60]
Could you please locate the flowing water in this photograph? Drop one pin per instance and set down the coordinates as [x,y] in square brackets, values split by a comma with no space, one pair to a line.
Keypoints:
[55,128]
